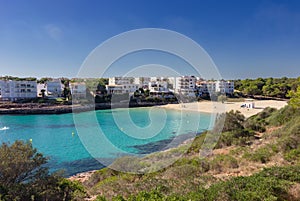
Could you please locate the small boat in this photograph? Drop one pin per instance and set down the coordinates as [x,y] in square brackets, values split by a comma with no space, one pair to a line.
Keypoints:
[4,128]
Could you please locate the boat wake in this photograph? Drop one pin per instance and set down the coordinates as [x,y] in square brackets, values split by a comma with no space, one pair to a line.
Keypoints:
[4,128]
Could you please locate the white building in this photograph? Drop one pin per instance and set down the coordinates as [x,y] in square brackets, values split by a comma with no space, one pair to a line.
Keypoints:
[78,89]
[224,86]
[54,88]
[121,85]
[121,89]
[221,86]
[40,88]
[120,80]
[143,82]
[185,85]
[14,90]
[202,87]
[168,82]
[114,89]
[158,86]
[211,86]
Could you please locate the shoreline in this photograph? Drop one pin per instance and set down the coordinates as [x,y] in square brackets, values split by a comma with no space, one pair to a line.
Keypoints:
[203,106]
[218,107]
[40,109]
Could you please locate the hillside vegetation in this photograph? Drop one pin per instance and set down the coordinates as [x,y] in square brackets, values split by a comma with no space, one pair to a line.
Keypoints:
[255,159]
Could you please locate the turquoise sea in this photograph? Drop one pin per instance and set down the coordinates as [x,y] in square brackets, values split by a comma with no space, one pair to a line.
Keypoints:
[72,141]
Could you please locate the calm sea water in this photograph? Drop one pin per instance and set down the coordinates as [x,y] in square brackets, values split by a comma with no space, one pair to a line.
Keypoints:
[71,141]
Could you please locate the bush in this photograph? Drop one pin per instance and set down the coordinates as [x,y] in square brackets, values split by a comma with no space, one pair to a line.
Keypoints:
[129,164]
[197,143]
[99,176]
[233,121]
[262,154]
[283,116]
[292,155]
[223,162]
[288,173]
[179,172]
[240,137]
[259,122]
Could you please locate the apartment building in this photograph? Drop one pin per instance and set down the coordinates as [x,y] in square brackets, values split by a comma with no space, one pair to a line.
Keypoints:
[224,86]
[185,85]
[121,80]
[53,88]
[158,86]
[120,85]
[78,90]
[143,82]
[219,86]
[15,90]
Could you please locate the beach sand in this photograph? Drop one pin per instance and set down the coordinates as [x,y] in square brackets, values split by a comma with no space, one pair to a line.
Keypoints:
[218,107]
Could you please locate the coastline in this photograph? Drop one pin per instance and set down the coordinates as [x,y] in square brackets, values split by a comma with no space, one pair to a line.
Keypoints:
[218,107]
[203,106]
[37,109]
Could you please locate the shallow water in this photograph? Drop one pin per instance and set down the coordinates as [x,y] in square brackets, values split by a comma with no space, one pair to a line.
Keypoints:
[71,141]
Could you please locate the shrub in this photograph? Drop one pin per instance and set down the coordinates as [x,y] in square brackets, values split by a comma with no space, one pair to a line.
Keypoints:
[99,176]
[258,122]
[180,172]
[129,164]
[239,137]
[262,154]
[250,188]
[223,162]
[292,155]
[283,115]
[288,173]
[197,143]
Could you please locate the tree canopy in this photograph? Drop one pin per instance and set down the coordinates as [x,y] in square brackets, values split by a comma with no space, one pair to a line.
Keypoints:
[24,176]
[271,87]
[295,98]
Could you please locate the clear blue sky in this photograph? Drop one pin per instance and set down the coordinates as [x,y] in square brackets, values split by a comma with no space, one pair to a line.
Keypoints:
[244,38]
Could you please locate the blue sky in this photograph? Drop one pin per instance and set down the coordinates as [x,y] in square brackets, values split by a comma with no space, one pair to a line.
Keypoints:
[244,38]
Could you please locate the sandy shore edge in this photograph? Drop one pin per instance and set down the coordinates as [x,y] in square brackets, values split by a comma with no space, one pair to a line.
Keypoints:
[218,107]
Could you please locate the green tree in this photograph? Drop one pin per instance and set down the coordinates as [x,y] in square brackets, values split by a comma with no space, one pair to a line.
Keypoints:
[233,121]
[24,176]
[295,98]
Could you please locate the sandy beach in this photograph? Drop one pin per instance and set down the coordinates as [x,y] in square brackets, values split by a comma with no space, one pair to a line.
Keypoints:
[218,107]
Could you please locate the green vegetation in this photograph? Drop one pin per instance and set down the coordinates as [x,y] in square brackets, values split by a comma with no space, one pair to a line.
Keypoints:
[271,87]
[270,184]
[263,140]
[24,176]
[234,130]
[295,98]
[18,78]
